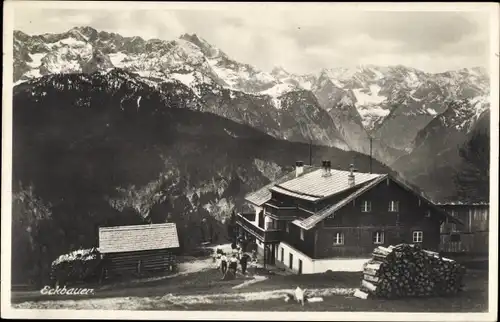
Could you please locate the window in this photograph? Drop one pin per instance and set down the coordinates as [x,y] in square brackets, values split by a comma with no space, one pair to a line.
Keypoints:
[272,225]
[338,239]
[454,238]
[394,206]
[428,214]
[287,227]
[378,237]
[418,236]
[282,254]
[301,234]
[479,215]
[366,206]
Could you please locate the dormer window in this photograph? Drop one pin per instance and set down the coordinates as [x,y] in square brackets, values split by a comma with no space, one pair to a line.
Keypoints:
[394,206]
[366,206]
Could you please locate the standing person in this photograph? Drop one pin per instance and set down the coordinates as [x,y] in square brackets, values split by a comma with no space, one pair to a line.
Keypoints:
[233,266]
[254,255]
[244,263]
[240,252]
[217,259]
[223,264]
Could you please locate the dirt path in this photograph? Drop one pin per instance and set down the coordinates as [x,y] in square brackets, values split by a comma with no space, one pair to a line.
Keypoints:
[169,300]
[205,291]
[256,279]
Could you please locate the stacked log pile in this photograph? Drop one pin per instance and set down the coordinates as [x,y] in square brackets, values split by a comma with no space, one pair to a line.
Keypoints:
[78,266]
[408,271]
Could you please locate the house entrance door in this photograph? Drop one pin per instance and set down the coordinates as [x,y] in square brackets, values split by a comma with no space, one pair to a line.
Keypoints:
[269,254]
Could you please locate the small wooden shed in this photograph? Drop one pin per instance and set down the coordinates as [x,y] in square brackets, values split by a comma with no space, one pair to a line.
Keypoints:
[128,250]
[471,237]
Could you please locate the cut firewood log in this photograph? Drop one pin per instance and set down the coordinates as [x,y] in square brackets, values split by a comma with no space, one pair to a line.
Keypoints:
[369,286]
[360,294]
[371,278]
[409,270]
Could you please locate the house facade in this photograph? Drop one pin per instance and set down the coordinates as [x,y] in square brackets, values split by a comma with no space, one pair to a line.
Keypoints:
[470,237]
[317,218]
[136,249]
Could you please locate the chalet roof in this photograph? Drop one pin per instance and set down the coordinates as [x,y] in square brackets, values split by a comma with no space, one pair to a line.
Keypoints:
[137,238]
[314,185]
[312,220]
[263,195]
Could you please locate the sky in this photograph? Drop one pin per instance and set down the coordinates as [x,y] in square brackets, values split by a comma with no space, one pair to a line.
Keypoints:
[300,39]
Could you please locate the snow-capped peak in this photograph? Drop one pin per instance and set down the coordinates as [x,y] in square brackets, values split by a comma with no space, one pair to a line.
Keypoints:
[207,49]
[279,72]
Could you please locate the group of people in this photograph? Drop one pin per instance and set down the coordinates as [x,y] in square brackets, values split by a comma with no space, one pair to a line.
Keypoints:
[230,263]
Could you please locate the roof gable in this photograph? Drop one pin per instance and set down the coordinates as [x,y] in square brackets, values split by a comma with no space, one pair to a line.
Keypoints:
[137,238]
[313,220]
[405,185]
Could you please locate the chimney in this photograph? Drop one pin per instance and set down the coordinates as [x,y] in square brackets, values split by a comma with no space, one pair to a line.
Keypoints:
[299,168]
[327,167]
[350,178]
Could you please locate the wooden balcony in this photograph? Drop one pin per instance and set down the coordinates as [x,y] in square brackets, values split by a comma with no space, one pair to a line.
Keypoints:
[264,235]
[283,213]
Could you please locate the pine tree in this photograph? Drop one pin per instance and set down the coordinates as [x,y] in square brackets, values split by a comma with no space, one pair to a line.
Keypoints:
[473,177]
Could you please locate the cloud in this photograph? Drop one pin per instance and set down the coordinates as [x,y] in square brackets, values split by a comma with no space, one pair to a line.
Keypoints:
[419,30]
[301,39]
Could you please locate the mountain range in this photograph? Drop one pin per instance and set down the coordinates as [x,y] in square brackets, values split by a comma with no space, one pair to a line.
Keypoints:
[337,107]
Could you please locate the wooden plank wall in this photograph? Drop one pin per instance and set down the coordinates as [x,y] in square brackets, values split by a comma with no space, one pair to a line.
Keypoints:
[476,243]
[128,262]
[472,236]
[358,241]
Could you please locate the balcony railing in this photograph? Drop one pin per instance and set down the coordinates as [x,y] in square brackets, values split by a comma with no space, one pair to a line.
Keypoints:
[281,213]
[249,216]
[268,235]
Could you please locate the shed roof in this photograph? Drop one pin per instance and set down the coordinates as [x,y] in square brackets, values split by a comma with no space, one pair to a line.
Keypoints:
[137,238]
